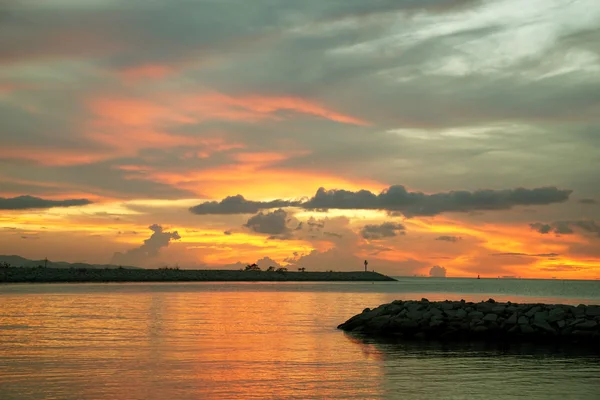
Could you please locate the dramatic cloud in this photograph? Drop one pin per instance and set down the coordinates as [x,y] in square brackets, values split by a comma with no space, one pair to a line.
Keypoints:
[237,205]
[437,272]
[387,229]
[272,223]
[147,251]
[30,202]
[566,227]
[445,238]
[588,201]
[397,198]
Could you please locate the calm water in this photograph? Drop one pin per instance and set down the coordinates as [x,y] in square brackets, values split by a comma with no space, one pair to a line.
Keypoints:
[267,340]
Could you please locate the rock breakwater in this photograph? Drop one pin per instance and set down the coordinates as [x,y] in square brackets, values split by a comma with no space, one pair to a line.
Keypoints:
[489,320]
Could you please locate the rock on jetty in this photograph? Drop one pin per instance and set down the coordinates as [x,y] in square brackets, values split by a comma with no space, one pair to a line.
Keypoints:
[461,320]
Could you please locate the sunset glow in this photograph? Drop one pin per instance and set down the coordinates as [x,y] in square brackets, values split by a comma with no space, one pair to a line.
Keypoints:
[441,137]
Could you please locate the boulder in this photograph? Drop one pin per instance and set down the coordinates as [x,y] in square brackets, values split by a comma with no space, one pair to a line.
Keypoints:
[526,329]
[499,309]
[556,314]
[532,311]
[476,315]
[408,324]
[379,322]
[490,317]
[592,311]
[512,320]
[436,323]
[586,325]
[544,326]
[580,310]
[480,329]
[540,316]
[577,321]
[435,311]
[415,315]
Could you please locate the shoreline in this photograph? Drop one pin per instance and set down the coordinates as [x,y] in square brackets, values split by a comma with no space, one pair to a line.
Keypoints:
[89,275]
[456,321]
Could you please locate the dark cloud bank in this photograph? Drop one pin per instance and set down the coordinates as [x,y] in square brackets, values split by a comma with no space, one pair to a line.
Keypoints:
[387,229]
[30,202]
[397,199]
[452,239]
[566,227]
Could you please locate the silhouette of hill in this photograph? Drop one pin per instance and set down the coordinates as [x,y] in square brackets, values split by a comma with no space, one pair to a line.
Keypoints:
[18,261]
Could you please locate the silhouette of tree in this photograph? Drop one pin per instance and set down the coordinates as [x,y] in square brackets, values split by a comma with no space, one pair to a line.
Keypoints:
[252,267]
[271,269]
[302,269]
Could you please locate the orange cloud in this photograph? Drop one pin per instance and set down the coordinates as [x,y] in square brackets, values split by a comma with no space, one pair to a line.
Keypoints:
[136,112]
[502,249]
[53,156]
[254,181]
[181,109]
[263,107]
[150,71]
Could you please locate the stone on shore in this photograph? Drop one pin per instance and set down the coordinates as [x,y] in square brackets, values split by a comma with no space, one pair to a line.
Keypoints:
[485,320]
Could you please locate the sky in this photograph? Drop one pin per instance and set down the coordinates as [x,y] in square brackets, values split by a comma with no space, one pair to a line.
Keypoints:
[430,137]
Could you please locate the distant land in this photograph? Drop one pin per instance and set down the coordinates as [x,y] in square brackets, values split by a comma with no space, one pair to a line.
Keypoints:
[89,275]
[17,269]
[18,261]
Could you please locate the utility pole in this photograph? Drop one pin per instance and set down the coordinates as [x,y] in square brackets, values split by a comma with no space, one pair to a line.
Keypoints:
[366,263]
[46,262]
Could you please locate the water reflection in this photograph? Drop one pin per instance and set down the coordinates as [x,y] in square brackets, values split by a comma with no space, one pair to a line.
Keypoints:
[190,341]
[425,370]
[161,345]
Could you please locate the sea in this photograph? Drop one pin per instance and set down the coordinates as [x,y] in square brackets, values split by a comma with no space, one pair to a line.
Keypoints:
[270,341]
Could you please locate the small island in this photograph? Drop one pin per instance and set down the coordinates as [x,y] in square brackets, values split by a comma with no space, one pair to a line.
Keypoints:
[82,275]
[488,321]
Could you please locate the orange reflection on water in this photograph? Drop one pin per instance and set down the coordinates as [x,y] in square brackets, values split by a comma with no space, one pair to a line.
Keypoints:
[170,344]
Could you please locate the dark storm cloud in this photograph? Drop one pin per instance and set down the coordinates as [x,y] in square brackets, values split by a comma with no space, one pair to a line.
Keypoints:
[150,249]
[445,238]
[397,198]
[30,202]
[238,205]
[387,229]
[272,223]
[566,227]
[588,201]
